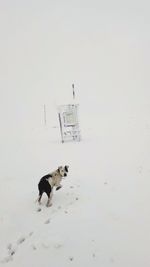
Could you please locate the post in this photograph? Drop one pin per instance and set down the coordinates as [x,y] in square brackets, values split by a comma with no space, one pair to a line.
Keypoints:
[61,131]
[45,114]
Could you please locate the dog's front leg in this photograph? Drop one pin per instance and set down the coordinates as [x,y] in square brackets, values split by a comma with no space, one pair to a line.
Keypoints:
[58,187]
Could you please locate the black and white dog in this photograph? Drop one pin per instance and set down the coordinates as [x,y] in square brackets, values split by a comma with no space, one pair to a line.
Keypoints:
[51,180]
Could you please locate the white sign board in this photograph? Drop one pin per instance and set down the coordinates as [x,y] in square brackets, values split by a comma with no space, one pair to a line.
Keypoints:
[69,124]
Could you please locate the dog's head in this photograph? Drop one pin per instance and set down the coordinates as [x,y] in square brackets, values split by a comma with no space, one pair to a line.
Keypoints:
[63,170]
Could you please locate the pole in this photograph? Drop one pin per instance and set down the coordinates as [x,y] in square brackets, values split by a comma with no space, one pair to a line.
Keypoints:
[73,91]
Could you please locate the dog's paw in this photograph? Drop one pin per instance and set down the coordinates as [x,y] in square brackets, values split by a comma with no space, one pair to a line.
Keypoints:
[57,188]
[49,204]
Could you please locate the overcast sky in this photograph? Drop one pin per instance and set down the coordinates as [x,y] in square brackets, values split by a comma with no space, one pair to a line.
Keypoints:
[45,46]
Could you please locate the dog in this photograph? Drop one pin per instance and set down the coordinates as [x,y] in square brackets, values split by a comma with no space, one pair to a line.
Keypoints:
[51,180]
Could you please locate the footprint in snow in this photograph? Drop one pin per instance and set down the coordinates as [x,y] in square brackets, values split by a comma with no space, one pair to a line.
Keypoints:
[30,234]
[9,247]
[34,247]
[140,169]
[12,250]
[38,209]
[7,259]
[47,221]
[45,246]
[21,240]
[11,253]
[57,246]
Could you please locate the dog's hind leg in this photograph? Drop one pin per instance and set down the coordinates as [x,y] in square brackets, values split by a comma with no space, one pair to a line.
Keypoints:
[49,203]
[40,196]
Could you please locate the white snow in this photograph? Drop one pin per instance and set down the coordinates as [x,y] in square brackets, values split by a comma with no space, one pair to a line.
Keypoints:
[101,216]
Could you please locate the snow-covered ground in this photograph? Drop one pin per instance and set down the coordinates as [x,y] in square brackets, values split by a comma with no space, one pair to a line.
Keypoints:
[101,216]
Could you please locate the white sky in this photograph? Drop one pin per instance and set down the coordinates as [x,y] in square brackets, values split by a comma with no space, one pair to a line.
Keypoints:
[101,46]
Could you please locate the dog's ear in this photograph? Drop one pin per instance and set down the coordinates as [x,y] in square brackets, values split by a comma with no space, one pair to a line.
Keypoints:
[59,168]
[66,168]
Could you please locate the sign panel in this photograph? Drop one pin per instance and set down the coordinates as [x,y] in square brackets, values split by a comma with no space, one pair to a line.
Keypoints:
[69,124]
